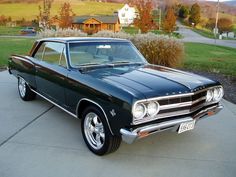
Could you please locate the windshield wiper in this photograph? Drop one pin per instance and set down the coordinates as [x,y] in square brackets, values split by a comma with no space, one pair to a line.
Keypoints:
[126,62]
[88,64]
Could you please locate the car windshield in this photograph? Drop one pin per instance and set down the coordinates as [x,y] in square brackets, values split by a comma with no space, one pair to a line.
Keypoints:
[103,53]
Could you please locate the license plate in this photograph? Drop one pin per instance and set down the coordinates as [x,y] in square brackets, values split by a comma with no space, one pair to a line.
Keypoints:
[186,126]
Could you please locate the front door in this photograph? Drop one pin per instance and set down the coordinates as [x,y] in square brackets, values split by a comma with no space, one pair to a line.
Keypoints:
[51,71]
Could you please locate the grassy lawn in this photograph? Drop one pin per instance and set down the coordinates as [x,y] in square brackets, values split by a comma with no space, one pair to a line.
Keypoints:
[30,11]
[10,30]
[134,30]
[13,46]
[205,33]
[210,58]
[130,30]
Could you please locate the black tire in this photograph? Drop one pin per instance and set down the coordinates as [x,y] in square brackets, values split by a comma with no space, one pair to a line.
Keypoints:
[24,91]
[110,143]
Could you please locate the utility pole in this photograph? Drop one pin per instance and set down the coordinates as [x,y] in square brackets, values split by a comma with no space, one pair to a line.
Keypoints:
[217,17]
[160,19]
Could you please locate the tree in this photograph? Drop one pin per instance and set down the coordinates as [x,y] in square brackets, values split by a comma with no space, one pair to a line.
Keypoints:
[66,15]
[211,23]
[44,14]
[144,21]
[225,25]
[183,12]
[195,14]
[169,21]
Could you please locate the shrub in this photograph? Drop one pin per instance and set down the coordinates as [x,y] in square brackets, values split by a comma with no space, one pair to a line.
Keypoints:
[110,34]
[160,50]
[61,33]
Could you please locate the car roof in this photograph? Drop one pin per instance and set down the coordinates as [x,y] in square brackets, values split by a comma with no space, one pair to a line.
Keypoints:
[82,39]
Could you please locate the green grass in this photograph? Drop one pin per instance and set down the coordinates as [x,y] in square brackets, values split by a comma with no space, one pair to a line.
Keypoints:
[10,30]
[9,46]
[210,58]
[30,11]
[134,30]
[130,30]
[174,34]
[205,33]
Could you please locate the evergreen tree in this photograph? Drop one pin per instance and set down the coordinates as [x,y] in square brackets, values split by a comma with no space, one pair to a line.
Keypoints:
[195,14]
[183,12]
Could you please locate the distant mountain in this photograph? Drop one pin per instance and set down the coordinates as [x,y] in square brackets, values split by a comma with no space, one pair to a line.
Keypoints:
[230,3]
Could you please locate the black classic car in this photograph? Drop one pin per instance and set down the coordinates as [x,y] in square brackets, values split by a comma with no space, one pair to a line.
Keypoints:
[115,92]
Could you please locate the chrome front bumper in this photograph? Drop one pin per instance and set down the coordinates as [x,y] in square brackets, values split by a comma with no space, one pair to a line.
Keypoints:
[130,136]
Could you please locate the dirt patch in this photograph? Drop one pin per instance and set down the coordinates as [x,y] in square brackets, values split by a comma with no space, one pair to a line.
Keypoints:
[228,82]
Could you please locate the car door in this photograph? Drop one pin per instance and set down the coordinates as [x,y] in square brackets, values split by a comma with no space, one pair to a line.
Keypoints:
[51,71]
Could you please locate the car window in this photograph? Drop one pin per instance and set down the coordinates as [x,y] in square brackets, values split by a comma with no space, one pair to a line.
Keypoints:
[39,54]
[103,53]
[53,53]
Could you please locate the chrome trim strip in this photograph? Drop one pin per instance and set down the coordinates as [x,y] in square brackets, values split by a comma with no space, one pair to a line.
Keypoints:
[179,105]
[91,101]
[54,103]
[183,104]
[23,59]
[161,116]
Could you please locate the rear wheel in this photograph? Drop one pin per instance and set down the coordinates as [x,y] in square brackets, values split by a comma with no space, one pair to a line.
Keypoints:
[96,133]
[24,91]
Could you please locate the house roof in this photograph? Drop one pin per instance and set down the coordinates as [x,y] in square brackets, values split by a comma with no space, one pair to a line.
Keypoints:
[103,19]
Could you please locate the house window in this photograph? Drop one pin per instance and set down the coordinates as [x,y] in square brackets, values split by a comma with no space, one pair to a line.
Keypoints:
[110,27]
[123,14]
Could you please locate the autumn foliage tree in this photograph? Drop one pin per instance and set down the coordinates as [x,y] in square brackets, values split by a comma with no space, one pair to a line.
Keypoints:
[195,14]
[66,15]
[225,25]
[169,21]
[144,21]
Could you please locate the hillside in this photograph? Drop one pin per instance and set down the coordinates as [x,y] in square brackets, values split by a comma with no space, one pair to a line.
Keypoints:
[30,11]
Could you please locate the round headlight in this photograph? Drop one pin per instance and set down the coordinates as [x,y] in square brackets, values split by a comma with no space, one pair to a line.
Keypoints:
[152,108]
[218,94]
[209,95]
[139,111]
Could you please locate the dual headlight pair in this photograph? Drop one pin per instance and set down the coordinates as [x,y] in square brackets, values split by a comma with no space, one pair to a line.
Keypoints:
[214,94]
[152,108]
[141,110]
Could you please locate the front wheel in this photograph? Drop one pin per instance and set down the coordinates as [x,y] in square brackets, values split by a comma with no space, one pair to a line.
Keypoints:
[24,91]
[96,133]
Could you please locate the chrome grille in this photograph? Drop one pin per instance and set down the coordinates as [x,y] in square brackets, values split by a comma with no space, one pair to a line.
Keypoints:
[178,105]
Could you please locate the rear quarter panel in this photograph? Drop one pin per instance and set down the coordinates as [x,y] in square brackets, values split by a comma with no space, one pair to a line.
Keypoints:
[24,67]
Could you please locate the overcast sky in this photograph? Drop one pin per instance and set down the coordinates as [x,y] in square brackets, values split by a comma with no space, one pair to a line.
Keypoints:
[221,0]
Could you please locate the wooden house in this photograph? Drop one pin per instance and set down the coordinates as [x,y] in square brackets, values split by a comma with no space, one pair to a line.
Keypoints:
[93,24]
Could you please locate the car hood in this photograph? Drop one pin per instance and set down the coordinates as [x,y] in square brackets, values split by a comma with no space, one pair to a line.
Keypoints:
[152,80]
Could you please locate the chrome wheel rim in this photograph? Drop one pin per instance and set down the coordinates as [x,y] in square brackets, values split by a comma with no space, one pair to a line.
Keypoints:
[94,130]
[22,87]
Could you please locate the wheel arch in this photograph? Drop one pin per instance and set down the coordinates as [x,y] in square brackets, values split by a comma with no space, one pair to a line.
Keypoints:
[85,102]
